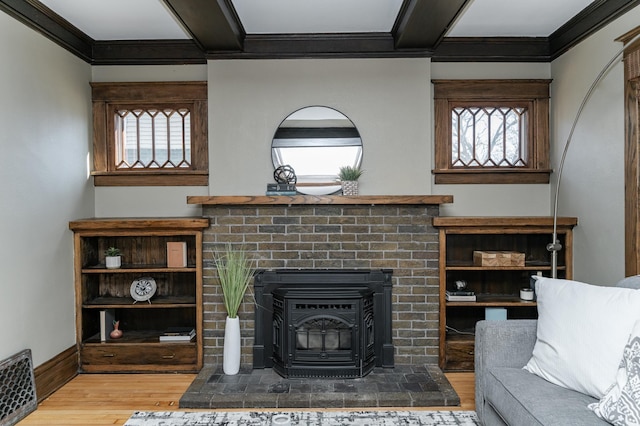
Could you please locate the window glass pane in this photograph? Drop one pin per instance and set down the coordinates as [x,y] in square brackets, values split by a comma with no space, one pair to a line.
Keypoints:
[488,137]
[153,138]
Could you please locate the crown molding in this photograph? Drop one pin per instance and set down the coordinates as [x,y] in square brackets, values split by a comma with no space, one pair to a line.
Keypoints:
[399,43]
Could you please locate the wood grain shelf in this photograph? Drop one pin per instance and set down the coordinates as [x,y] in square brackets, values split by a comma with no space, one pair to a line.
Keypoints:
[127,303]
[321,199]
[128,269]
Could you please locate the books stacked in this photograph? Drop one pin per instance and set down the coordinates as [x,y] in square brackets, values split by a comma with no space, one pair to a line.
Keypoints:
[107,316]
[281,189]
[178,334]
[460,296]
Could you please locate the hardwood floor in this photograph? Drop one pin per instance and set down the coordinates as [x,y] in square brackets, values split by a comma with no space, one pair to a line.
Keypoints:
[110,399]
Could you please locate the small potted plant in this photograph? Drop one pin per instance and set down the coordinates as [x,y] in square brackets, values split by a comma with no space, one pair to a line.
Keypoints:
[235,272]
[349,176]
[113,258]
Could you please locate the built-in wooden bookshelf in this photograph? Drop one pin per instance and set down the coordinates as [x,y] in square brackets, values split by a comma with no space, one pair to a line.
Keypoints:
[177,301]
[493,286]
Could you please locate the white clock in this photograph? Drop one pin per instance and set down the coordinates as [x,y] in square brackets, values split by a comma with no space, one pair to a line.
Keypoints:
[143,289]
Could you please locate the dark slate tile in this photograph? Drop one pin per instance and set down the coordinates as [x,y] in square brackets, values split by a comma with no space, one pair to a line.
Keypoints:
[388,387]
[256,388]
[293,400]
[327,400]
[345,387]
[260,400]
[417,378]
[230,388]
[360,400]
[395,399]
[281,387]
[230,379]
[227,401]
[411,387]
[215,378]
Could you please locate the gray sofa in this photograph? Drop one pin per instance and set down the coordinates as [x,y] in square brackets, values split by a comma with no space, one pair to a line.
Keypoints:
[507,394]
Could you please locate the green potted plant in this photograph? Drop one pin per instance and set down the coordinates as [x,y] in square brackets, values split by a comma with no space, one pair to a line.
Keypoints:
[349,176]
[113,258]
[235,272]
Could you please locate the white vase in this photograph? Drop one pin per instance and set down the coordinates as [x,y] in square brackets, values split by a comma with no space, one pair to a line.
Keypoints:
[113,262]
[231,354]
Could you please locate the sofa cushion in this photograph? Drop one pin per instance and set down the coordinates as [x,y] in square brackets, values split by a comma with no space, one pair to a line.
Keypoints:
[582,331]
[621,404]
[522,398]
[630,282]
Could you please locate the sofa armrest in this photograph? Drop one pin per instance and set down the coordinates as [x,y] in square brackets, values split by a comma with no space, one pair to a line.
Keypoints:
[501,344]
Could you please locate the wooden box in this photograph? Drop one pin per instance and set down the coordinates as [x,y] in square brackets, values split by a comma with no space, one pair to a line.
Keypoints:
[498,258]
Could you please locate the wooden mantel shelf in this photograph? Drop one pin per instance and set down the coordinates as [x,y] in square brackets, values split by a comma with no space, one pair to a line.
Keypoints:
[321,199]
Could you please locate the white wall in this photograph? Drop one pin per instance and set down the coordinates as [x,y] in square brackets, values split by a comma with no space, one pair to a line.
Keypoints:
[45,109]
[592,185]
[387,100]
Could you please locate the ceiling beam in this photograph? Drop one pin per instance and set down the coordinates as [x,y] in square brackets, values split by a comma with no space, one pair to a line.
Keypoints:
[422,24]
[588,21]
[218,34]
[37,16]
[213,24]
[492,49]
[147,52]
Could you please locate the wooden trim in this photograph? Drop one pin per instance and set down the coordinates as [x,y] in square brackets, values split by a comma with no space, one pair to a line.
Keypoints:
[236,44]
[53,374]
[423,23]
[491,89]
[591,19]
[109,97]
[632,162]
[487,176]
[501,222]
[139,224]
[327,199]
[147,52]
[149,91]
[40,18]
[214,25]
[492,49]
[152,180]
[530,93]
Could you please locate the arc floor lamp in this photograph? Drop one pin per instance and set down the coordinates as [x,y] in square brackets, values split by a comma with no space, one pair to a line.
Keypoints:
[554,246]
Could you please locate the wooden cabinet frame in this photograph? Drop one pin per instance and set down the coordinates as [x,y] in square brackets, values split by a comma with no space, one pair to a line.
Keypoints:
[177,302]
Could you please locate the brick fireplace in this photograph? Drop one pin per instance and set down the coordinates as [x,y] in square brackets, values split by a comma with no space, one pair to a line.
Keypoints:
[332,232]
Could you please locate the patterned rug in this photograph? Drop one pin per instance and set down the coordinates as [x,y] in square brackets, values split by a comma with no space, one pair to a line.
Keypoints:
[304,418]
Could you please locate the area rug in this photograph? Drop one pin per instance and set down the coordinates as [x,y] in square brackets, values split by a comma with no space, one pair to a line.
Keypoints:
[304,418]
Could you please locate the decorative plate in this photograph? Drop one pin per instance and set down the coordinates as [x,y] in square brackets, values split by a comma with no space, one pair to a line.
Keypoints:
[143,289]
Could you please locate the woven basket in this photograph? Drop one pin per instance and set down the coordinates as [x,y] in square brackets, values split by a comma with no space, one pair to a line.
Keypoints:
[350,187]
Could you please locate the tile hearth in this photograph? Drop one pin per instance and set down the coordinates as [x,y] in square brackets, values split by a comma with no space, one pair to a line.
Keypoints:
[401,386]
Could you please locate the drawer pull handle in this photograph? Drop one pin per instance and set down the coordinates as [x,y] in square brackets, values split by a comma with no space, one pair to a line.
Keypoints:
[109,355]
[168,356]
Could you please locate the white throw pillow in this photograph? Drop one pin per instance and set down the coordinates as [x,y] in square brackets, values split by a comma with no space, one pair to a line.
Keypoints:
[621,404]
[582,331]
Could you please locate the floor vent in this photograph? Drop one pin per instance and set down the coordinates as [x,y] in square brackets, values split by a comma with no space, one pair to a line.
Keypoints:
[17,388]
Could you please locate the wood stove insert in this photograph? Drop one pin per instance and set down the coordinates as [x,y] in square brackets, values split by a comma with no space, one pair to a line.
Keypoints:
[323,323]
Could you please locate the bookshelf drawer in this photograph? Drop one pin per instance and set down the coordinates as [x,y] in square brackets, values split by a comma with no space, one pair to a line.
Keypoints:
[156,354]
[459,355]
